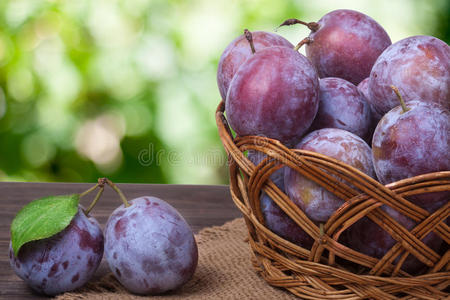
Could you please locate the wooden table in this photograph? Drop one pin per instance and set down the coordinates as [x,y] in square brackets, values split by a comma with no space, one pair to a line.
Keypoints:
[201,206]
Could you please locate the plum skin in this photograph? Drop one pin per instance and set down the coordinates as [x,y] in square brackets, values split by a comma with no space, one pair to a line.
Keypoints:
[149,246]
[237,52]
[275,94]
[346,45]
[342,106]
[419,66]
[318,203]
[63,262]
[277,177]
[363,88]
[274,217]
[367,237]
[279,222]
[407,144]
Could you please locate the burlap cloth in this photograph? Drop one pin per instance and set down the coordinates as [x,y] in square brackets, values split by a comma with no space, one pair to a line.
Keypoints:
[224,272]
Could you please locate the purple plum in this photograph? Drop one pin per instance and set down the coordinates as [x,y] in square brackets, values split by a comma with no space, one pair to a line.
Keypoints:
[281,224]
[345,44]
[63,262]
[363,88]
[367,237]
[318,203]
[342,106]
[407,144]
[149,246]
[419,66]
[237,53]
[275,93]
[411,143]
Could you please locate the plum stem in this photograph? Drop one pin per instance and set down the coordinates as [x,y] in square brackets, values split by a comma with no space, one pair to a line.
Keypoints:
[118,191]
[313,26]
[249,37]
[100,183]
[400,98]
[306,40]
[88,191]
[99,194]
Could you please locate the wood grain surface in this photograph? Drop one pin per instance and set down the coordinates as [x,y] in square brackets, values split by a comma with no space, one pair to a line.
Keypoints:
[201,206]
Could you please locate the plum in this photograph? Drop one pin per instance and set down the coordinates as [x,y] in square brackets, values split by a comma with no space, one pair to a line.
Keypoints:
[363,88]
[419,66]
[344,43]
[256,157]
[367,237]
[274,217]
[275,93]
[63,262]
[413,142]
[239,50]
[280,223]
[408,141]
[342,106]
[314,200]
[149,246]
[430,201]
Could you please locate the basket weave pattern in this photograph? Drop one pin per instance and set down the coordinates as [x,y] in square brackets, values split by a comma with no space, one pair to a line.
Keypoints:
[313,273]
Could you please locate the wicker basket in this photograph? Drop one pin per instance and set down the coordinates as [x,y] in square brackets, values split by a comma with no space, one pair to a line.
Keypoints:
[313,273]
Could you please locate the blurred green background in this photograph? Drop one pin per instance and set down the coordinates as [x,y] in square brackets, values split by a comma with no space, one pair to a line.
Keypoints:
[127,89]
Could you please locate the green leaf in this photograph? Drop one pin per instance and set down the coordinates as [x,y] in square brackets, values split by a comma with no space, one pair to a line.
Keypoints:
[42,218]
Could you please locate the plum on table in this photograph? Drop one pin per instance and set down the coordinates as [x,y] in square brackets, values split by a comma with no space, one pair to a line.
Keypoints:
[149,246]
[63,262]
